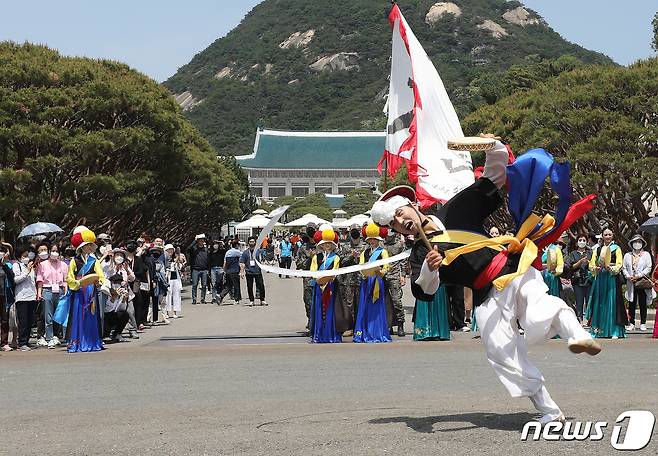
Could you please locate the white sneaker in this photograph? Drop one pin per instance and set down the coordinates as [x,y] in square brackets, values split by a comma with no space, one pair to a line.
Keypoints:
[630,327]
[589,346]
[52,344]
[41,342]
[466,329]
[615,337]
[57,341]
[643,327]
[251,303]
[550,417]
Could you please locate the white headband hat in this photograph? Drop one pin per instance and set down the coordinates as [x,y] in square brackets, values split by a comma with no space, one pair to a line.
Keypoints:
[382,212]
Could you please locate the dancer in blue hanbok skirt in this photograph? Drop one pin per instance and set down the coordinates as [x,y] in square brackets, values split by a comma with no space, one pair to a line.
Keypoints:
[606,313]
[431,318]
[323,313]
[84,331]
[374,314]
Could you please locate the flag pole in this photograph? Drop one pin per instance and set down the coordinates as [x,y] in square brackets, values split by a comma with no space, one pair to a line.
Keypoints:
[385,172]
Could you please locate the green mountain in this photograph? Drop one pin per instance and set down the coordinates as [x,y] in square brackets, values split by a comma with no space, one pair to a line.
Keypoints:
[314,64]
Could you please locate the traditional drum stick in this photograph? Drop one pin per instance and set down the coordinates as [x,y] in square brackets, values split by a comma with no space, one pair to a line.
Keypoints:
[420,229]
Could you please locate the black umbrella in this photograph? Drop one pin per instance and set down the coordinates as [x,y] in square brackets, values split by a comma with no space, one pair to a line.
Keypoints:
[650,226]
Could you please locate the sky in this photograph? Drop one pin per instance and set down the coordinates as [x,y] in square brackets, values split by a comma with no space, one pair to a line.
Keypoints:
[157,37]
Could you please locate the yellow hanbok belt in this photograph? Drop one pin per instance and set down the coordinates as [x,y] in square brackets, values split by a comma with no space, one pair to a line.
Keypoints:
[523,242]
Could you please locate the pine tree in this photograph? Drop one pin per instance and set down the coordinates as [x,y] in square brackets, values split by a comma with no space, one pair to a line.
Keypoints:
[93,142]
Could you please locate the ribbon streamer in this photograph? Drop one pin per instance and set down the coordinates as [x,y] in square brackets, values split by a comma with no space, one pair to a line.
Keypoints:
[276,215]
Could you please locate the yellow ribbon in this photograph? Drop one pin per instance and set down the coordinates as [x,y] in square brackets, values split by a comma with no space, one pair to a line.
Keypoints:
[375,291]
[522,242]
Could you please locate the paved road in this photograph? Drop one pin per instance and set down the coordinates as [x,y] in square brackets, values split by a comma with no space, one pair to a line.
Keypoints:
[198,393]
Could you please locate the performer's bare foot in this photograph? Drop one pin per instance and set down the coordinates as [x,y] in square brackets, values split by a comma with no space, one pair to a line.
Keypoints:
[589,346]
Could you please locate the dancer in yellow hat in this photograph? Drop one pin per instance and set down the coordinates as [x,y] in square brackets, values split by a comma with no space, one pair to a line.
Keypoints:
[85,275]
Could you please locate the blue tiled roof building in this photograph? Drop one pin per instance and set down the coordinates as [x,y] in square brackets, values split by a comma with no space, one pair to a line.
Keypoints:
[299,163]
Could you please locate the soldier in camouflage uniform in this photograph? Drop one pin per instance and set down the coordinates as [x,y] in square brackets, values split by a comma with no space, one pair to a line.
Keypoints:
[303,261]
[348,284]
[395,279]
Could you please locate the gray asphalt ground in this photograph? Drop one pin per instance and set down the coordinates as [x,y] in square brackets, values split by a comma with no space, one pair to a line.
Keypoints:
[190,389]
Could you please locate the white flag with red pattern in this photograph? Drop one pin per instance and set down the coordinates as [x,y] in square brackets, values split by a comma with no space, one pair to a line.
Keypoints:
[421,119]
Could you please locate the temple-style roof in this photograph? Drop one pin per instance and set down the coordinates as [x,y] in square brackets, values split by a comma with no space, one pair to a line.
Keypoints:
[315,150]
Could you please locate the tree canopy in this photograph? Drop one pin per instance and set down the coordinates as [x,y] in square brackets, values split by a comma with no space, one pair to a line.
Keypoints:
[93,142]
[604,121]
[358,201]
[315,203]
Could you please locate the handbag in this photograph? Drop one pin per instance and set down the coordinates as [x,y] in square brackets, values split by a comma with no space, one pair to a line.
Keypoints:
[644,283]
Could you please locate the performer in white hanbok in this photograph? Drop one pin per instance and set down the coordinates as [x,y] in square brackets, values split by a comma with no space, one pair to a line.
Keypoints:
[506,286]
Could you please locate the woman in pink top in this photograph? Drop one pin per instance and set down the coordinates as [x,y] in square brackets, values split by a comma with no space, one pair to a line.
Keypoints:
[655,287]
[51,284]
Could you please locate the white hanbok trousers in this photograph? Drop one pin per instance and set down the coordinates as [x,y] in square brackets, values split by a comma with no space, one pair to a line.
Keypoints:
[541,316]
[173,299]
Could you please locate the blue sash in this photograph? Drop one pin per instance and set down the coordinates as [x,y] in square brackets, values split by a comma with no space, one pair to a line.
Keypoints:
[375,254]
[61,314]
[328,262]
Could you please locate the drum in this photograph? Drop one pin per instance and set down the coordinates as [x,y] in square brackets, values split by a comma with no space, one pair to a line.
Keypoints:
[471,144]
[88,279]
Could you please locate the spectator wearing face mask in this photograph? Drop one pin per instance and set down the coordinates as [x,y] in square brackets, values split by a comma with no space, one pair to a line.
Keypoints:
[250,270]
[140,285]
[198,257]
[655,289]
[216,263]
[106,255]
[173,300]
[153,258]
[25,297]
[581,280]
[232,271]
[7,287]
[120,266]
[295,239]
[104,239]
[116,307]
[639,289]
[181,259]
[51,274]
[160,283]
[35,253]
[69,254]
[285,247]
